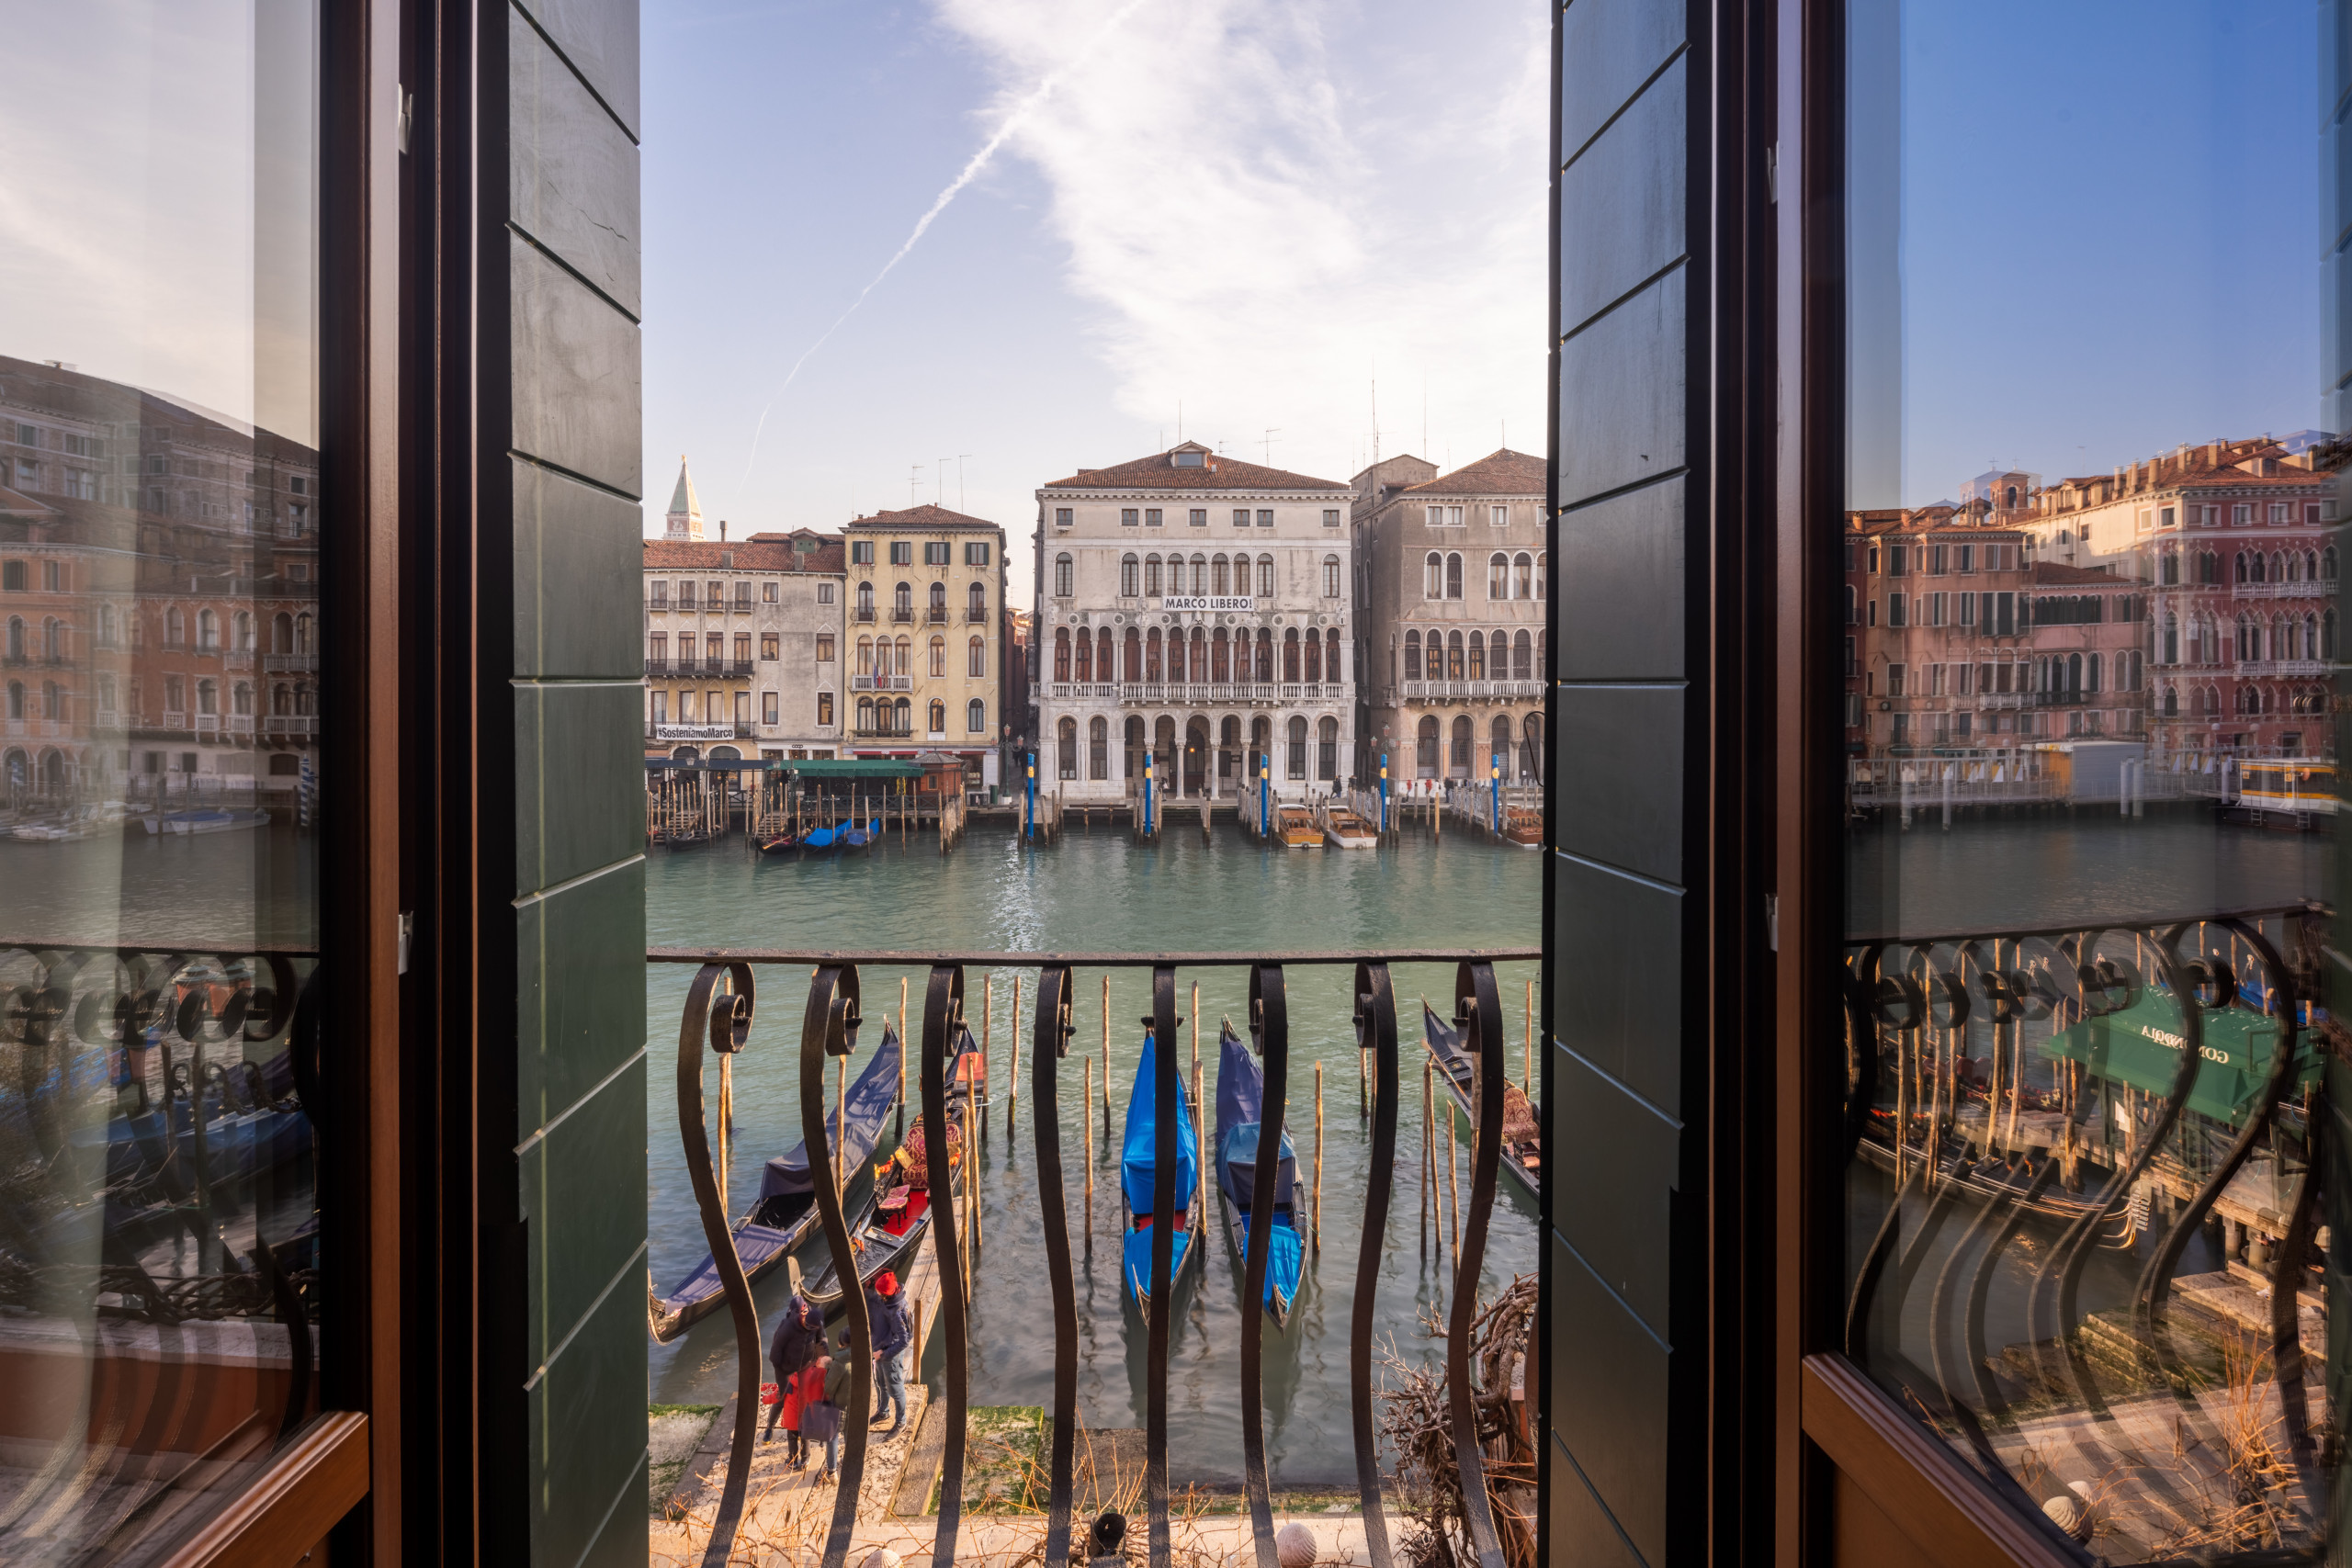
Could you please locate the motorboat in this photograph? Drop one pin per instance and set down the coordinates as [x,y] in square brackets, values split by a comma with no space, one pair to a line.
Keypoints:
[1344,829]
[1295,827]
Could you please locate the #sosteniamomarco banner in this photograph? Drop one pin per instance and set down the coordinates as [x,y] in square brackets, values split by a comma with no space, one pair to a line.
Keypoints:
[694,732]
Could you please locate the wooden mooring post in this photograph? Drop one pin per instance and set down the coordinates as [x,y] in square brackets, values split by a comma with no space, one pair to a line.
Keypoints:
[1086,1121]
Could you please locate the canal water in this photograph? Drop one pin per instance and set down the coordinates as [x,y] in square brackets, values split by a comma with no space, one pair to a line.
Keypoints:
[1103,893]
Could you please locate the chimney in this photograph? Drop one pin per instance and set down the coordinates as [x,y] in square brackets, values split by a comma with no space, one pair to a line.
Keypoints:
[722,530]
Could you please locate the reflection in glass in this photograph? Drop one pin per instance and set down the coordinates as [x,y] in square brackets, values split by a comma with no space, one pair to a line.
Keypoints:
[159,794]
[2091,776]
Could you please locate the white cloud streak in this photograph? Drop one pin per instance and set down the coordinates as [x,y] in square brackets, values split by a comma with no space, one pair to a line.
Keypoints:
[1263,201]
[1012,120]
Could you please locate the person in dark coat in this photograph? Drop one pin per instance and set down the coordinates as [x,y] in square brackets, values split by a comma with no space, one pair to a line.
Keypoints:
[800,1339]
[821,1386]
[885,1315]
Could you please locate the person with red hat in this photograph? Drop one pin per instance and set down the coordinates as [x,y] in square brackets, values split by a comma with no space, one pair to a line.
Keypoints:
[886,1314]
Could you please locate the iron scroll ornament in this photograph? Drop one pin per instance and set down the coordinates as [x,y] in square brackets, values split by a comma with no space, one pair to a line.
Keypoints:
[1375,1018]
[724,1017]
[1476,1003]
[1269,1024]
[1168,1100]
[1055,1028]
[942,1022]
[828,1030]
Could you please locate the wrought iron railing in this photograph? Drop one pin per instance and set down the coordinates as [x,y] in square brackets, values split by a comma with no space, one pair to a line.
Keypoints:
[717,1020]
[2004,1086]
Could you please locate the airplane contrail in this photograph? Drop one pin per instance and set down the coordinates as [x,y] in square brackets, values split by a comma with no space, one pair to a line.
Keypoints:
[970,171]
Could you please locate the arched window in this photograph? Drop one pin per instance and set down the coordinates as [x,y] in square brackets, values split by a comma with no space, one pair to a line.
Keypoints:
[2277,568]
[1220,576]
[1130,576]
[1499,576]
[1332,669]
[1314,658]
[1540,557]
[976,603]
[865,656]
[1289,657]
[282,698]
[975,716]
[1330,577]
[2168,568]
[902,602]
[939,658]
[938,718]
[2257,567]
[1066,749]
[15,699]
[1521,666]
[1453,656]
[1433,576]
[1098,749]
[1295,765]
[1200,574]
[53,700]
[2248,638]
[1133,670]
[241,699]
[1220,657]
[2327,633]
[1152,655]
[1326,750]
[175,631]
[1457,761]
[281,634]
[1065,572]
[1083,668]
[1151,576]
[1523,574]
[207,630]
[1477,651]
[2327,564]
[939,601]
[240,632]
[901,652]
[1498,747]
[1265,656]
[1412,656]
[207,696]
[1061,653]
[2171,702]
[1453,574]
[1425,742]
[865,715]
[902,716]
[975,656]
[52,639]
[1265,577]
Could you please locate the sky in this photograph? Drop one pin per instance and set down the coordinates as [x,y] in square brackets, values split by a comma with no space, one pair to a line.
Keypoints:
[2110,240]
[1230,217]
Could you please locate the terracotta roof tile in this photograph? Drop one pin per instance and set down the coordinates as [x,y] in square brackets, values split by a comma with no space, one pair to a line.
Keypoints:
[1215,473]
[761,552]
[915,519]
[1500,472]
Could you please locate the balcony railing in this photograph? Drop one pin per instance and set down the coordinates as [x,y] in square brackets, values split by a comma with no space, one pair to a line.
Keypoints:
[862,613]
[740,668]
[720,1018]
[291,663]
[2267,669]
[903,614]
[977,617]
[2306,590]
[936,615]
[1490,691]
[881,683]
[1193,692]
[657,668]
[881,732]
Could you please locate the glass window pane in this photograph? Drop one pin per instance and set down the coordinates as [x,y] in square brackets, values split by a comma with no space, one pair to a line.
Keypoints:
[160,801]
[2091,791]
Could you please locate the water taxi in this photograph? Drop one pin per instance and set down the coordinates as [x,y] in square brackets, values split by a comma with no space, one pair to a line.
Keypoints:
[1295,827]
[1343,829]
[2300,787]
[1523,826]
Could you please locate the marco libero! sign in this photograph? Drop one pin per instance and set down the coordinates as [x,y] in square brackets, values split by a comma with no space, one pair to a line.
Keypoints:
[1208,601]
[694,732]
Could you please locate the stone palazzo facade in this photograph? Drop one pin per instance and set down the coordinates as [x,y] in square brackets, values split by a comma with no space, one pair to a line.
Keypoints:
[1196,609]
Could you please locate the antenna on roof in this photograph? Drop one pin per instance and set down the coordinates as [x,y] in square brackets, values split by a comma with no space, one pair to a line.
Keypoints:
[1267,440]
[914,475]
[959,479]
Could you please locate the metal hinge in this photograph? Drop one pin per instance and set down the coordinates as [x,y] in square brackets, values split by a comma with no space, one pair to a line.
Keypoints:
[1772,174]
[408,931]
[408,118]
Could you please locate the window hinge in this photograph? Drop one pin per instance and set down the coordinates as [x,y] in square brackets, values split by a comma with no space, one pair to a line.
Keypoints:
[408,932]
[408,118]
[1772,174]
[1772,921]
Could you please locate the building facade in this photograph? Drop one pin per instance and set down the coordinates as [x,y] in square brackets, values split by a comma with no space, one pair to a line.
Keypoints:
[158,597]
[2234,542]
[1194,608]
[743,647]
[925,630]
[1451,635]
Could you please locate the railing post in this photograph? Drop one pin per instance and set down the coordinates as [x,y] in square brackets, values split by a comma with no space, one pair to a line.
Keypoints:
[828,1029]
[726,1028]
[1055,1028]
[1269,1023]
[942,1026]
[1476,1006]
[1168,1098]
[1375,1021]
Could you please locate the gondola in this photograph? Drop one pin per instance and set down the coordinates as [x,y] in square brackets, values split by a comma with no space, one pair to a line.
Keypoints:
[1137,1163]
[890,1225]
[1522,1154]
[1240,1095]
[782,1216]
[842,835]
[777,844]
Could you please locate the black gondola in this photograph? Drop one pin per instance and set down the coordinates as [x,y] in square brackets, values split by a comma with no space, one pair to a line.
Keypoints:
[1522,1158]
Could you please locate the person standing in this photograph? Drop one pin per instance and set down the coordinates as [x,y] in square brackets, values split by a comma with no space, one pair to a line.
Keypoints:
[800,1339]
[885,1311]
[818,1387]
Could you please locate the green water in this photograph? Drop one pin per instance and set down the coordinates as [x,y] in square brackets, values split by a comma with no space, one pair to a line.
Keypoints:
[1101,894]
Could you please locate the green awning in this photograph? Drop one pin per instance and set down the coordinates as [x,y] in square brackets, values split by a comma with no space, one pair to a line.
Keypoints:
[2141,1046]
[806,767]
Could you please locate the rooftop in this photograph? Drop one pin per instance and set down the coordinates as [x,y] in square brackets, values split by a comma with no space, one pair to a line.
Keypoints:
[761,552]
[1212,471]
[1500,472]
[924,519]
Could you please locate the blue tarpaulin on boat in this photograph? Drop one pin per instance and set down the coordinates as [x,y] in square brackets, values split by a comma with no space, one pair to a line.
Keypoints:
[863,1110]
[1240,1097]
[1134,1259]
[1138,1153]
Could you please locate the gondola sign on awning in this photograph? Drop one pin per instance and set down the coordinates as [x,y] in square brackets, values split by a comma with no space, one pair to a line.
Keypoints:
[2141,1046]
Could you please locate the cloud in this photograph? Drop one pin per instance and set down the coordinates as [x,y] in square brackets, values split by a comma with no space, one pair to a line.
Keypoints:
[1263,203]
